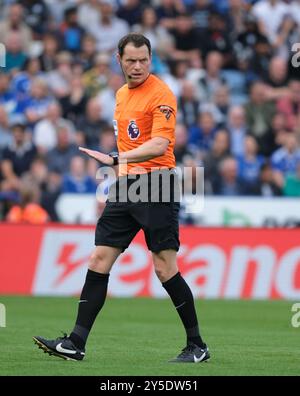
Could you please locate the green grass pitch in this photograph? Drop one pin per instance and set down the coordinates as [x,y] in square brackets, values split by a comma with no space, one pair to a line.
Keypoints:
[138,336]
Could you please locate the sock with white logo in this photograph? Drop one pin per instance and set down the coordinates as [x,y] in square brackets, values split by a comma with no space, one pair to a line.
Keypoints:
[91,301]
[183,300]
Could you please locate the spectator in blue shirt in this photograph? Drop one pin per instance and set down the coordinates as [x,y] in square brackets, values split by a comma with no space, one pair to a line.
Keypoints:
[8,98]
[287,157]
[250,164]
[37,103]
[202,135]
[237,129]
[229,184]
[21,83]
[59,158]
[77,181]
[71,31]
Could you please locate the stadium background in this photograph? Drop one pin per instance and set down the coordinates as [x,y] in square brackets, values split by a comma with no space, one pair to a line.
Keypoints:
[234,69]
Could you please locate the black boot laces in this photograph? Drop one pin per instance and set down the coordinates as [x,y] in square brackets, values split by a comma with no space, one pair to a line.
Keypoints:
[186,351]
[65,336]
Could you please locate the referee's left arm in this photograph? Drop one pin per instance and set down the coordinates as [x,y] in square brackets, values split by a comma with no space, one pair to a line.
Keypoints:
[153,148]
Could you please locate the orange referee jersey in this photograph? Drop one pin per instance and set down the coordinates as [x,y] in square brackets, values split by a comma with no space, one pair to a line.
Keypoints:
[141,113]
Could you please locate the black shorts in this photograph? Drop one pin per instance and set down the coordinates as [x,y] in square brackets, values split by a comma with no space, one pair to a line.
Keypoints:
[121,221]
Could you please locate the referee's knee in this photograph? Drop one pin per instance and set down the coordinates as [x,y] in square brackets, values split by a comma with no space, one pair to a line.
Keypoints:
[160,274]
[164,274]
[98,263]
[165,265]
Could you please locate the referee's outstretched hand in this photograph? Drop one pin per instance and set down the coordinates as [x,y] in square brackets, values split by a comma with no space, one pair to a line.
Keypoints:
[100,157]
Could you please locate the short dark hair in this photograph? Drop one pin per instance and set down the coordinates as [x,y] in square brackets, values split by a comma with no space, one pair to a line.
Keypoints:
[138,40]
[19,126]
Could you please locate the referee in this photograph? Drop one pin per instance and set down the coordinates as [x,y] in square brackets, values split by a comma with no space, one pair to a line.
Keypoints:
[144,123]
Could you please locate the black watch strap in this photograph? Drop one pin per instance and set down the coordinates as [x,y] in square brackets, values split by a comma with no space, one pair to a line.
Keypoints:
[115,157]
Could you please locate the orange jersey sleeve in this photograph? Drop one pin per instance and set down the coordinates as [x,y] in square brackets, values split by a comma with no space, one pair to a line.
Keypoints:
[164,116]
[142,113]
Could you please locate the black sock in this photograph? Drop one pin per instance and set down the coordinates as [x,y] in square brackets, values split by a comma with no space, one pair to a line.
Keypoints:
[92,299]
[183,300]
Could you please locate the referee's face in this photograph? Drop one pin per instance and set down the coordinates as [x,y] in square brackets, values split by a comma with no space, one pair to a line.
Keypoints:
[135,64]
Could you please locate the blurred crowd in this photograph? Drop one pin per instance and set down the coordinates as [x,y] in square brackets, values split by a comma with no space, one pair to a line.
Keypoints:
[232,64]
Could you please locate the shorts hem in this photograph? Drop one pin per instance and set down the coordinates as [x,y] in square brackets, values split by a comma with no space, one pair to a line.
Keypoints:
[166,247]
[111,245]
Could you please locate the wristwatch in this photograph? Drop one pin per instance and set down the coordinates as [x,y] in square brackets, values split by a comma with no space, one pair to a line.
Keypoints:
[115,156]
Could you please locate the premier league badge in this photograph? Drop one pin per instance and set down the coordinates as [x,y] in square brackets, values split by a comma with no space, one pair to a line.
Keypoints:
[133,130]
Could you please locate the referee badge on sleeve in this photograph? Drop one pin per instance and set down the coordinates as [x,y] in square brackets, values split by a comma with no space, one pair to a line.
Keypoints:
[166,110]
